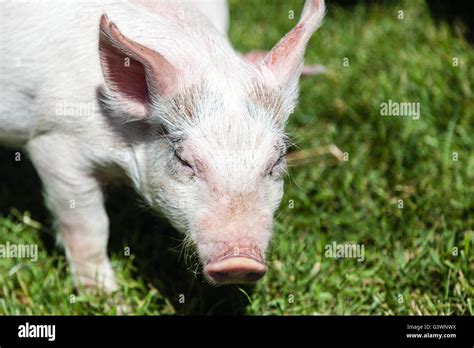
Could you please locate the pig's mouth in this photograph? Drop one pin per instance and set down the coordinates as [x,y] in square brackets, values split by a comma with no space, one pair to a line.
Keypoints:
[238,265]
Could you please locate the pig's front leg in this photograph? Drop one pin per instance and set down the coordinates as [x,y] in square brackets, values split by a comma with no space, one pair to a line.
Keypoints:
[75,198]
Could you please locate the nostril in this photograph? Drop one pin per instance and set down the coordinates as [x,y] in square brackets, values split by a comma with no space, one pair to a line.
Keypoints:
[219,275]
[253,276]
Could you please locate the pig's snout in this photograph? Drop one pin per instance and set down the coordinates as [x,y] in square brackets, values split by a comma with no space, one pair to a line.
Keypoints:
[235,270]
[236,267]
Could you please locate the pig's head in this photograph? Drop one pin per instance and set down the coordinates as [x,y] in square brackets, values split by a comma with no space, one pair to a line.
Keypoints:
[216,165]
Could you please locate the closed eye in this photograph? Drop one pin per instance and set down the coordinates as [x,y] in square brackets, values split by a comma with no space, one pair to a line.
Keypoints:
[182,161]
[278,161]
[276,169]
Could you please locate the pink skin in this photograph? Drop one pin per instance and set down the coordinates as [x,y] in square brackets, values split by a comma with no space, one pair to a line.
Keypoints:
[255,57]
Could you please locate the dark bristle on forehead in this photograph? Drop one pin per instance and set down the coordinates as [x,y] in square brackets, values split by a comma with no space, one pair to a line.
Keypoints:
[185,105]
[268,98]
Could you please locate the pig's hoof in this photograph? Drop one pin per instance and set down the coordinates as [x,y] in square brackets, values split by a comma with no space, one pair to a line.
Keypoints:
[97,278]
[92,285]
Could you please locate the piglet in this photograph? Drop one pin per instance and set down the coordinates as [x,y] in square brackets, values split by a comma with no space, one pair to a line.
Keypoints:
[153,93]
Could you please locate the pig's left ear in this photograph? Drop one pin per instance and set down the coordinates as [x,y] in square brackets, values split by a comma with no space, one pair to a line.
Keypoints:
[134,74]
[285,60]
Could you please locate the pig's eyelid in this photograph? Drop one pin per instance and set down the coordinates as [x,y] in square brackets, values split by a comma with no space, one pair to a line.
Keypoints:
[277,162]
[182,161]
[280,159]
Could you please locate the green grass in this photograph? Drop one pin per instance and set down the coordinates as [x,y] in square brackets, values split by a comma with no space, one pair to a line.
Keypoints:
[418,260]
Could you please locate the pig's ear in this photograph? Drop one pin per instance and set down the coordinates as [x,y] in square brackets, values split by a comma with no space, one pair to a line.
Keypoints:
[285,60]
[134,74]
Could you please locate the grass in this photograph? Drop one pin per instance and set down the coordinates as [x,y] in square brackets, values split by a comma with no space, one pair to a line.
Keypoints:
[418,259]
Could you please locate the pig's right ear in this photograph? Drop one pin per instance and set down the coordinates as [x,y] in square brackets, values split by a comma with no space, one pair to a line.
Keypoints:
[285,60]
[134,74]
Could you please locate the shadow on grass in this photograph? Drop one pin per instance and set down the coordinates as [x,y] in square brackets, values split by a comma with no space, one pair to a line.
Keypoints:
[155,244]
